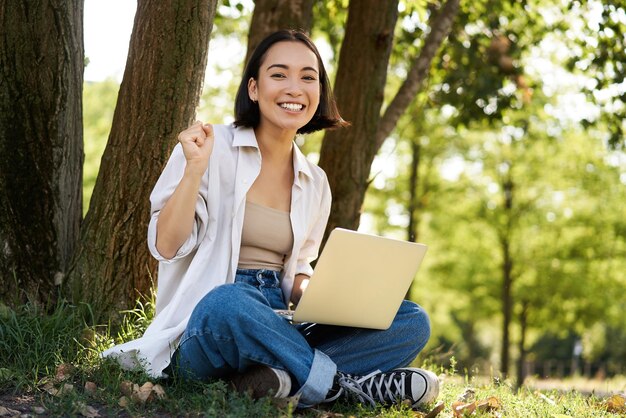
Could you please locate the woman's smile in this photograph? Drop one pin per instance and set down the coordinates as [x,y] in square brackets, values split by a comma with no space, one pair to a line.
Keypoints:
[292,107]
[288,78]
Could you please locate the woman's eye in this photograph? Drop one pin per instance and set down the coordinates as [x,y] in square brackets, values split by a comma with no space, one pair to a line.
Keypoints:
[278,75]
[308,78]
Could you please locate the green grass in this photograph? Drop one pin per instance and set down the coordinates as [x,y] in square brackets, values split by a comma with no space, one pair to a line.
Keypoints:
[33,345]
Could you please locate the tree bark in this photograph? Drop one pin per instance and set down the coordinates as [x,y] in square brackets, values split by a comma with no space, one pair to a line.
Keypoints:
[272,15]
[440,26]
[507,279]
[357,98]
[412,229]
[347,154]
[41,147]
[158,96]
[507,308]
[523,323]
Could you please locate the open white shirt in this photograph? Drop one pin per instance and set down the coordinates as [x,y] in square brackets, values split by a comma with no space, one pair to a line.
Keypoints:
[209,257]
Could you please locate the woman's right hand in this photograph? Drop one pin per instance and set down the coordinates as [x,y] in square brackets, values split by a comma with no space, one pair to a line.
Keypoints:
[197,143]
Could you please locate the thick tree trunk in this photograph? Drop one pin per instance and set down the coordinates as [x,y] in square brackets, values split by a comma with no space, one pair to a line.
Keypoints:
[41,147]
[158,96]
[272,15]
[358,96]
[347,154]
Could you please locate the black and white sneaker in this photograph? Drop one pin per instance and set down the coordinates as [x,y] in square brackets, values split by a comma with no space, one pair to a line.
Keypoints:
[260,381]
[417,385]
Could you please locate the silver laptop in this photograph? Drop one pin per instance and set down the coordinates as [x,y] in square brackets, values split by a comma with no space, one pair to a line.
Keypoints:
[360,280]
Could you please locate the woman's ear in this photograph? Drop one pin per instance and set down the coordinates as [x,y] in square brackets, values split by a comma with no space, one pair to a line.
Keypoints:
[252,90]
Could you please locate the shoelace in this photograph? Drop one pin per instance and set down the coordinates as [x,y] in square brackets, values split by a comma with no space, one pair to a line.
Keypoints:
[350,385]
[385,387]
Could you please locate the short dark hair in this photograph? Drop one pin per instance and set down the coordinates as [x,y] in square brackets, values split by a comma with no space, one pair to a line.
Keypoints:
[247,112]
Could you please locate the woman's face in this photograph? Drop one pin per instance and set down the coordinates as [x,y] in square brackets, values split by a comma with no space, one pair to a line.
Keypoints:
[287,88]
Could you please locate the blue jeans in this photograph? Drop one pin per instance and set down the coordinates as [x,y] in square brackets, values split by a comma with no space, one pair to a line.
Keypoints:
[234,327]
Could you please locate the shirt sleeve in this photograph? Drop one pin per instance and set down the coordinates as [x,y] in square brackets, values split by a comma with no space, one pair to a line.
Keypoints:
[310,248]
[163,190]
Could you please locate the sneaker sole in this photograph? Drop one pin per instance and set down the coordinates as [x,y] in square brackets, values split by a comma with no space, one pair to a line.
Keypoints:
[431,386]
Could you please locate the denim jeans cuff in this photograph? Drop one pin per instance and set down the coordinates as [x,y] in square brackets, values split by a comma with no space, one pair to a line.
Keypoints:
[319,382]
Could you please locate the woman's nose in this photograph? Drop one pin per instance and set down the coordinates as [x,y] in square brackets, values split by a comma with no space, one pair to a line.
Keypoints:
[294,89]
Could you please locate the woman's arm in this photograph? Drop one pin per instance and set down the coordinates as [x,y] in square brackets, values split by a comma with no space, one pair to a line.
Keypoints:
[310,248]
[300,283]
[176,219]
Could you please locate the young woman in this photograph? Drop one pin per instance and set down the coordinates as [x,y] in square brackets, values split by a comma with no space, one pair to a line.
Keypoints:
[237,216]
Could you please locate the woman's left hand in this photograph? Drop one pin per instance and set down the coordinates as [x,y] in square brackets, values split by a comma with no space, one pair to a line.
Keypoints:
[300,284]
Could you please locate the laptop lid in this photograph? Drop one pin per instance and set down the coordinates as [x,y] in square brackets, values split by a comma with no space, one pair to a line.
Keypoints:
[360,280]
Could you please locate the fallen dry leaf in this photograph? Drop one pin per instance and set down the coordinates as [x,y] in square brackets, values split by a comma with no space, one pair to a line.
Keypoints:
[436,410]
[39,410]
[126,387]
[54,391]
[460,409]
[86,410]
[64,371]
[123,402]
[90,388]
[615,404]
[6,412]
[66,388]
[490,404]
[141,396]
[146,387]
[158,391]
[49,387]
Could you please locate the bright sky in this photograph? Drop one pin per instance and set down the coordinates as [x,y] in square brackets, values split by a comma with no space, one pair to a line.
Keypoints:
[107,28]
[108,25]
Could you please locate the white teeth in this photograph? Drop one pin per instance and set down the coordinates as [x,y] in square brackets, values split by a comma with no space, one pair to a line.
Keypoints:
[291,106]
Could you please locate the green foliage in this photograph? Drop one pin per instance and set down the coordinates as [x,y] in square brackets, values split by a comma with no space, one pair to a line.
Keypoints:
[598,50]
[99,99]
[480,72]
[329,18]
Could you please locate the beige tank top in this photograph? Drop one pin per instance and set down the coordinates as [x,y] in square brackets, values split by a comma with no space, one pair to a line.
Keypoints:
[266,238]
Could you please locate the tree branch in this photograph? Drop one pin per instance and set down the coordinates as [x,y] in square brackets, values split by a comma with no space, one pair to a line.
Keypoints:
[439,30]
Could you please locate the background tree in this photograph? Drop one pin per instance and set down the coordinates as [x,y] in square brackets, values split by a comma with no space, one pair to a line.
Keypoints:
[41,150]
[98,107]
[598,50]
[479,79]
[365,51]
[272,15]
[157,99]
